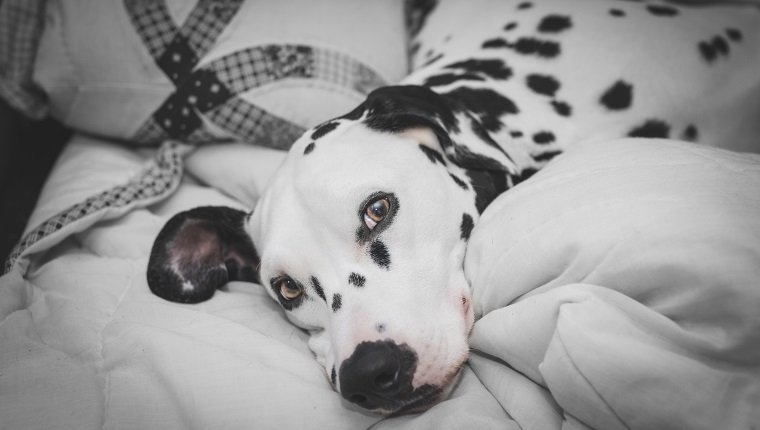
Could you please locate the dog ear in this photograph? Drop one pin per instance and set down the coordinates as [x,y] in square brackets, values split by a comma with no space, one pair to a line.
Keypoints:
[199,251]
[395,109]
[407,108]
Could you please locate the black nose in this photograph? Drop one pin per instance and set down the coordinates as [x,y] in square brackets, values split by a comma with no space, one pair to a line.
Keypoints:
[378,374]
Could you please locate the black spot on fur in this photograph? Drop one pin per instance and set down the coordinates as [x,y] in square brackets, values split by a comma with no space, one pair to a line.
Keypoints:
[414,49]
[380,255]
[541,48]
[318,288]
[324,129]
[617,13]
[481,132]
[734,34]
[333,376]
[525,5]
[433,60]
[554,24]
[487,104]
[487,186]
[462,184]
[466,226]
[618,96]
[526,173]
[337,302]
[691,133]
[562,108]
[510,26]
[495,43]
[711,49]
[308,149]
[546,156]
[449,78]
[356,279]
[651,128]
[720,45]
[492,68]
[707,51]
[660,10]
[516,133]
[543,137]
[543,84]
[432,155]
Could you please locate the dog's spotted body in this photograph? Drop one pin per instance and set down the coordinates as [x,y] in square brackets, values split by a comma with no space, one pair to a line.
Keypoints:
[361,234]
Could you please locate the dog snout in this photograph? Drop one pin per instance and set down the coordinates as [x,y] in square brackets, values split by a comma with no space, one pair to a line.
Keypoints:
[378,375]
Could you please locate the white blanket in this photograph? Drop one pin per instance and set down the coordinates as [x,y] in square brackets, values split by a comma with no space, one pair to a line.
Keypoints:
[618,288]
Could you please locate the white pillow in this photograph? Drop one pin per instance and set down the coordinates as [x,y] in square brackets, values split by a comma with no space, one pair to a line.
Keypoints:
[672,224]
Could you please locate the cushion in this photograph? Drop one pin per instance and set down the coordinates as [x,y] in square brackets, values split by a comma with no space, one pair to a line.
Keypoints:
[259,71]
[623,279]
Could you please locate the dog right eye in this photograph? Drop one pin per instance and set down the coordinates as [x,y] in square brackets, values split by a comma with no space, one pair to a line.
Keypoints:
[288,289]
[376,211]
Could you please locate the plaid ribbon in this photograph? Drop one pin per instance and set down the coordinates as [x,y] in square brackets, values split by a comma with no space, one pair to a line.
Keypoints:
[212,92]
[158,180]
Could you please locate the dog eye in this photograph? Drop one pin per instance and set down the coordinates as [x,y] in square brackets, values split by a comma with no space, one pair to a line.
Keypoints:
[376,211]
[289,289]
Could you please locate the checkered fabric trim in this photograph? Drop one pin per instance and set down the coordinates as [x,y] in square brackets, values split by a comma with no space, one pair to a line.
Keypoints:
[332,66]
[153,23]
[178,50]
[212,91]
[206,22]
[253,124]
[157,30]
[158,180]
[254,67]
[21,23]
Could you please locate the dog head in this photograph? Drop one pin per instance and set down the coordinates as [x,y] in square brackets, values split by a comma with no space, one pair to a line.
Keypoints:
[360,236]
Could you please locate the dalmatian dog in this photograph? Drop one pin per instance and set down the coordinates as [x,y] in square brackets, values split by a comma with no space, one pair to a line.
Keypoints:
[362,232]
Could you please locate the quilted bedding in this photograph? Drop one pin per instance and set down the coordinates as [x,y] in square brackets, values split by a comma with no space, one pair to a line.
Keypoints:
[622,295]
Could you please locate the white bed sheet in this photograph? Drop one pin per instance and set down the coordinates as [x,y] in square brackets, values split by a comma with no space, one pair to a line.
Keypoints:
[560,342]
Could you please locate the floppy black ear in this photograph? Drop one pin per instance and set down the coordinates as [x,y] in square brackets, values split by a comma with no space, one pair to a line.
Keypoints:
[199,251]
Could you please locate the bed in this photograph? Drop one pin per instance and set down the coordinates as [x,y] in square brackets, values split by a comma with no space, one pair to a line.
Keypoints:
[619,287]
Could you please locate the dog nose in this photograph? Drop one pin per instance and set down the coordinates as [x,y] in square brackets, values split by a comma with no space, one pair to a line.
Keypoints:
[378,374]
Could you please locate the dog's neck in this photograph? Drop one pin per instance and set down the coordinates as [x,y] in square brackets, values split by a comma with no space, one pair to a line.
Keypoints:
[480,117]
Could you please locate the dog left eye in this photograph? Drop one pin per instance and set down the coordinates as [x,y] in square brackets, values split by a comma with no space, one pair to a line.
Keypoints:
[376,211]
[289,289]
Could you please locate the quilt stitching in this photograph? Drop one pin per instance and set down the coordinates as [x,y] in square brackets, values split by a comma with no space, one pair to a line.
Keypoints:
[158,180]
[212,92]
